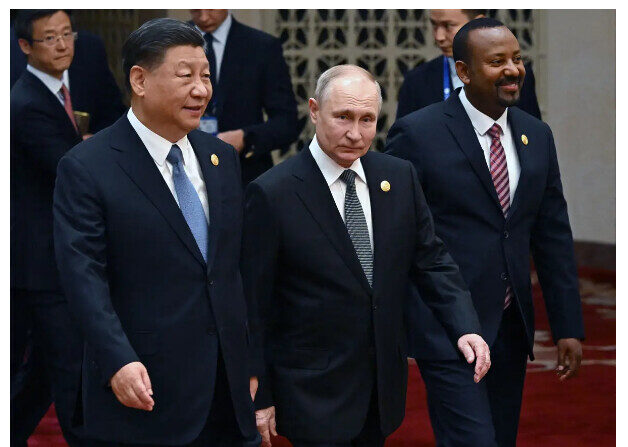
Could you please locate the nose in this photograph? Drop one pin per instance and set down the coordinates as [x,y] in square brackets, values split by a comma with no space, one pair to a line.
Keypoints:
[511,68]
[201,90]
[353,133]
[61,41]
[439,33]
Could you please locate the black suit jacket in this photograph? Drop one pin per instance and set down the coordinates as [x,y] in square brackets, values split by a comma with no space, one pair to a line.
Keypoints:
[41,133]
[141,291]
[92,86]
[423,86]
[327,335]
[254,80]
[491,251]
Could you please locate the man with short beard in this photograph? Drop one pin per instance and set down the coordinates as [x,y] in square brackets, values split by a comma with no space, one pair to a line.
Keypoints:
[491,179]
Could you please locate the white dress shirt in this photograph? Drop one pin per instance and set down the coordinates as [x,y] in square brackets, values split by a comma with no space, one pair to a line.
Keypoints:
[455,80]
[159,148]
[53,84]
[332,171]
[218,43]
[482,123]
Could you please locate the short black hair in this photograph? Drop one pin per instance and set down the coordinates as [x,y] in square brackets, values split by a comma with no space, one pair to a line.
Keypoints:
[25,17]
[147,45]
[473,13]
[460,47]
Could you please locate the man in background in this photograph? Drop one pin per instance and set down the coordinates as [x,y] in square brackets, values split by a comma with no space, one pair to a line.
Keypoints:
[43,129]
[436,80]
[94,89]
[491,179]
[251,81]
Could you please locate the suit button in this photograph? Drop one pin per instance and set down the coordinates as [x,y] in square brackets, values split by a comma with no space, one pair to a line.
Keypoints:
[374,306]
[504,277]
[506,235]
[210,282]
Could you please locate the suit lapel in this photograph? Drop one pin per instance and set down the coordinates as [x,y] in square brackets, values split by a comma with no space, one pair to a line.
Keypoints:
[381,212]
[135,160]
[316,196]
[211,175]
[522,153]
[461,128]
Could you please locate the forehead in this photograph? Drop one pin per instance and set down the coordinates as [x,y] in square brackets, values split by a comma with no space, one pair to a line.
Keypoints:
[185,54]
[51,23]
[487,41]
[448,15]
[352,93]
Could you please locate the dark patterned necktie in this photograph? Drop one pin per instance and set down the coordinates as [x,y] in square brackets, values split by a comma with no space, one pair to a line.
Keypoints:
[499,173]
[356,225]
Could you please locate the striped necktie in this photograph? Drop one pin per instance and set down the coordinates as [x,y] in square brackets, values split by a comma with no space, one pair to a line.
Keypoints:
[67,105]
[356,225]
[499,173]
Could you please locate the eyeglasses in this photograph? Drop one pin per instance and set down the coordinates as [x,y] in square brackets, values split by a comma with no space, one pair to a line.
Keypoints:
[51,41]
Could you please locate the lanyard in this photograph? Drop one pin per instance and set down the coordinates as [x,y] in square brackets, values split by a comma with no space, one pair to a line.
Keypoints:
[446,79]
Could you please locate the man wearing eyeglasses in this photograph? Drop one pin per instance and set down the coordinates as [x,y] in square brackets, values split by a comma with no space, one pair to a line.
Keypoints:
[43,129]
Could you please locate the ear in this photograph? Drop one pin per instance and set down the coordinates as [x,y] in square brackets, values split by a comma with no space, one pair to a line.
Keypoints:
[314,109]
[24,46]
[137,79]
[462,69]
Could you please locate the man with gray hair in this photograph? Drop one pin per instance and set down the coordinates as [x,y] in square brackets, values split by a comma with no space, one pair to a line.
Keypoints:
[331,239]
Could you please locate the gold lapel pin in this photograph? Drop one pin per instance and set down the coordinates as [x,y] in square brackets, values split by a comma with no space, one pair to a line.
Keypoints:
[215,160]
[385,186]
[524,139]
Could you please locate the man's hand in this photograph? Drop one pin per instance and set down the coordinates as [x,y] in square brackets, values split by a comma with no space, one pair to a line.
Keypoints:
[234,137]
[569,352]
[473,346]
[87,135]
[253,383]
[132,387]
[265,421]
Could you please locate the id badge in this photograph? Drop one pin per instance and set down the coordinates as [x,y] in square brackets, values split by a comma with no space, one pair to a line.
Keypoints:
[209,124]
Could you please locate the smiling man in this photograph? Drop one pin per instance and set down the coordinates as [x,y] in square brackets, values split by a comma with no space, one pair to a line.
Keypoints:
[148,217]
[491,178]
[435,80]
[332,237]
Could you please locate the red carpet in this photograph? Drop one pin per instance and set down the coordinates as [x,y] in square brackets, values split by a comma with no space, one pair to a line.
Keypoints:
[577,413]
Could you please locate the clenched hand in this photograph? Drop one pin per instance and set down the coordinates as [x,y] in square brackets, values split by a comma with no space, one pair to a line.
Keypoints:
[474,347]
[132,387]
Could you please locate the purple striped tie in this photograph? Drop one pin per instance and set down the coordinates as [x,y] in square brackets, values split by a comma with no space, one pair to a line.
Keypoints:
[499,173]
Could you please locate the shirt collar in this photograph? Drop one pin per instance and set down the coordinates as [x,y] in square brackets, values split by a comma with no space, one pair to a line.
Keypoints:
[330,169]
[222,31]
[157,146]
[53,84]
[481,122]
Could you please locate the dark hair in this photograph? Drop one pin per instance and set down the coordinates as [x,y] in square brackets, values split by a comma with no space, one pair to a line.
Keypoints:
[460,47]
[473,13]
[147,45]
[25,17]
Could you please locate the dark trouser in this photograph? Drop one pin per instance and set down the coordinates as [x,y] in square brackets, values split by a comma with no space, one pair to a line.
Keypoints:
[221,428]
[370,435]
[54,363]
[466,414]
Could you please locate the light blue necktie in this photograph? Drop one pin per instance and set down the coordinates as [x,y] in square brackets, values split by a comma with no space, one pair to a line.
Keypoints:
[189,201]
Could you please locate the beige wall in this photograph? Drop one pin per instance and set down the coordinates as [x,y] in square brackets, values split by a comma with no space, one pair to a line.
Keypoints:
[580,97]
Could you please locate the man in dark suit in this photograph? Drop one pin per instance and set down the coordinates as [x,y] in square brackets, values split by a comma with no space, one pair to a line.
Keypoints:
[94,89]
[435,80]
[331,307]
[250,79]
[42,131]
[147,226]
[491,179]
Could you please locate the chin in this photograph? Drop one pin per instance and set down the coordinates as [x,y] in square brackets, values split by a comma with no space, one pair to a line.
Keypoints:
[510,101]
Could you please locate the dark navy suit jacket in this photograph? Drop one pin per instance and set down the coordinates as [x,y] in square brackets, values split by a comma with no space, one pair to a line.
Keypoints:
[328,336]
[92,86]
[423,86]
[41,133]
[491,251]
[141,291]
[254,80]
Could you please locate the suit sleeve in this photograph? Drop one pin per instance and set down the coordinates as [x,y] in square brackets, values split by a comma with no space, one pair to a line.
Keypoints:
[437,276]
[80,247]
[280,129]
[259,258]
[47,144]
[108,99]
[553,252]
